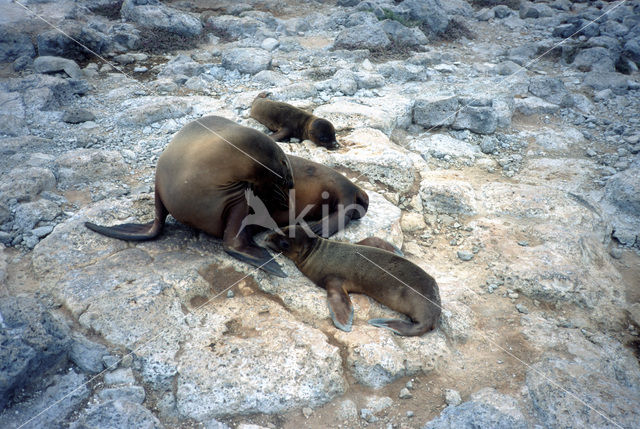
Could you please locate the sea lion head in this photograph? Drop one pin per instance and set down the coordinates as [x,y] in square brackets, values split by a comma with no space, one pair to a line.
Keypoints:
[322,133]
[294,242]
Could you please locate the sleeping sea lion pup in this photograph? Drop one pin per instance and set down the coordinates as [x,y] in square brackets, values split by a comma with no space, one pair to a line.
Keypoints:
[323,197]
[341,268]
[288,121]
[202,179]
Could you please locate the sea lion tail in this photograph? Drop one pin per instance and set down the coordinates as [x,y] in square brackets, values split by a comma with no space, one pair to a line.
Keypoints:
[129,231]
[400,327]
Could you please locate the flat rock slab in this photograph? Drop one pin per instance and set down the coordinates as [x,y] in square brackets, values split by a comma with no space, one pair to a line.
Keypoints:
[261,351]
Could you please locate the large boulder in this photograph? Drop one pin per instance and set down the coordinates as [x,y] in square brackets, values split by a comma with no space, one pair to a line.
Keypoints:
[32,341]
[246,60]
[156,16]
[372,37]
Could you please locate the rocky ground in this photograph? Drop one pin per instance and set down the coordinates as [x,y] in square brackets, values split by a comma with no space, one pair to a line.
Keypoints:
[498,141]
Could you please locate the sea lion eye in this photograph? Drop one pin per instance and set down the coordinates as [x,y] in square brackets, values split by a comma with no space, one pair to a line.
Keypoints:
[284,244]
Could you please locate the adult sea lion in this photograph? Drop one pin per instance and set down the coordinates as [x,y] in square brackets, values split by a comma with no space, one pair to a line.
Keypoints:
[323,197]
[202,178]
[288,121]
[341,268]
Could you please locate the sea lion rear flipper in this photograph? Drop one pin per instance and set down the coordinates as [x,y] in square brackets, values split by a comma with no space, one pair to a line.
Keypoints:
[281,134]
[237,241]
[264,261]
[340,306]
[399,327]
[128,231]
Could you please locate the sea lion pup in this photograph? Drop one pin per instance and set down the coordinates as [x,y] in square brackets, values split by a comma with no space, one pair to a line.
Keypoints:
[202,179]
[288,121]
[323,197]
[341,268]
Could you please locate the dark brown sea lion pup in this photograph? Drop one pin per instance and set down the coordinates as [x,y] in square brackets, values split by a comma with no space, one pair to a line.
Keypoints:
[288,121]
[323,197]
[341,268]
[202,178]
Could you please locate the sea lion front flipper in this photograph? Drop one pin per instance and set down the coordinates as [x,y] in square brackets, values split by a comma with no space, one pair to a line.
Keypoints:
[238,242]
[281,134]
[340,306]
[398,326]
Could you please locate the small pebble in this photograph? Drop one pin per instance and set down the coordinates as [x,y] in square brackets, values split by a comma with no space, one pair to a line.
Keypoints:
[513,295]
[465,255]
[409,385]
[306,411]
[523,243]
[615,252]
[410,414]
[368,416]
[452,397]
[522,308]
[230,294]
[405,394]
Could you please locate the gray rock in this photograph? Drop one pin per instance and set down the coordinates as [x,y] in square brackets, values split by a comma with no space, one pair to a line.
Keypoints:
[25,184]
[48,64]
[465,255]
[452,397]
[347,410]
[479,119]
[56,43]
[87,354]
[595,59]
[28,215]
[599,81]
[474,414]
[271,78]
[488,145]
[566,393]
[528,10]
[154,109]
[402,72]
[405,394]
[502,11]
[14,44]
[12,115]
[233,27]
[246,60]
[534,106]
[269,44]
[367,415]
[623,191]
[429,13]
[117,414]
[119,376]
[181,65]
[51,407]
[447,197]
[442,146]
[435,111]
[372,37]
[77,116]
[156,16]
[632,50]
[522,308]
[83,166]
[403,36]
[378,403]
[134,394]
[485,14]
[552,90]
[34,342]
